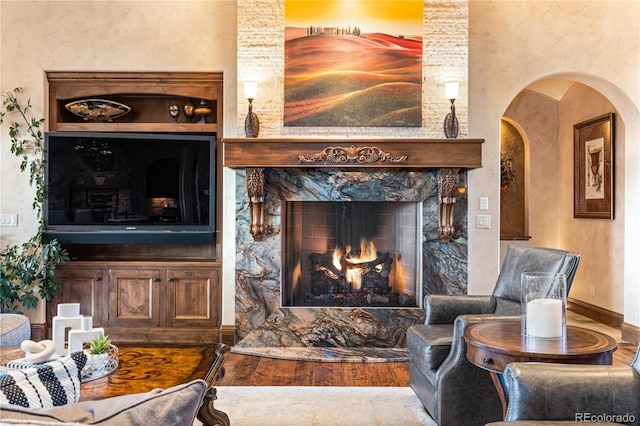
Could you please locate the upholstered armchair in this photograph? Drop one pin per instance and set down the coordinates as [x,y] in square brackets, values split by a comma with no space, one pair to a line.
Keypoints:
[454,391]
[573,393]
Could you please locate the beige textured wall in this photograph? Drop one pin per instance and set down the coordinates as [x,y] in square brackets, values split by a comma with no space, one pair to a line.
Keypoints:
[515,43]
[547,123]
[511,45]
[600,242]
[96,35]
[537,118]
[512,196]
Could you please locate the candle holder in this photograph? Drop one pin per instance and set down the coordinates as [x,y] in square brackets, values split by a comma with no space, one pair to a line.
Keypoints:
[544,305]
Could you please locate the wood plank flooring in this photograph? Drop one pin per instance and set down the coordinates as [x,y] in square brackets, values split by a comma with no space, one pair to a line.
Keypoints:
[248,370]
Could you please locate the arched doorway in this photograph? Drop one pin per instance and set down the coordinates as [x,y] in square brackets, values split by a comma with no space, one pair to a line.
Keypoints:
[545,113]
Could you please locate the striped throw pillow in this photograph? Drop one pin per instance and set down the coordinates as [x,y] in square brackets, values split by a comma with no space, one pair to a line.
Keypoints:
[45,385]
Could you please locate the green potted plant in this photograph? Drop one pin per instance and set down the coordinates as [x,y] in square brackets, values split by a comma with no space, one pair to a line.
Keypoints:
[27,270]
[98,346]
[102,358]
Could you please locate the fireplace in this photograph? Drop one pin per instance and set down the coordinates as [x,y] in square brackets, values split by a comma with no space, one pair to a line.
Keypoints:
[351,253]
[277,178]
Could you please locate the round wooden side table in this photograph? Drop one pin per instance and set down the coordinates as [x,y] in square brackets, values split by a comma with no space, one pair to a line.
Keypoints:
[492,345]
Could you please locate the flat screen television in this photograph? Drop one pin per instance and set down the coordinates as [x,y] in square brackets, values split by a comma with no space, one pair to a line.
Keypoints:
[128,188]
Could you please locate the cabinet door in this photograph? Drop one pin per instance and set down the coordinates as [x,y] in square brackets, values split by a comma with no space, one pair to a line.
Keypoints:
[192,297]
[84,286]
[134,297]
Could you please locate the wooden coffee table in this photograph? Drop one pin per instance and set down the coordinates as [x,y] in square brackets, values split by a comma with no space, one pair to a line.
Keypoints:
[492,345]
[143,368]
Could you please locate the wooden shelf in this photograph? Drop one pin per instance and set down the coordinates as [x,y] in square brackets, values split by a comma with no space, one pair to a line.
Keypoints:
[148,94]
[138,127]
[290,152]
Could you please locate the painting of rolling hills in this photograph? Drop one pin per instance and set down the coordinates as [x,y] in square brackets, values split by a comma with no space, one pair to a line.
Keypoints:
[343,76]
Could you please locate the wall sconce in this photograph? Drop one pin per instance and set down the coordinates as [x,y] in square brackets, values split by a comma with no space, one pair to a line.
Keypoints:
[251,123]
[507,171]
[450,121]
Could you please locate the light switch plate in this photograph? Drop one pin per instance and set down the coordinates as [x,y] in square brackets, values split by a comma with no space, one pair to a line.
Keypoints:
[484,203]
[483,221]
[8,219]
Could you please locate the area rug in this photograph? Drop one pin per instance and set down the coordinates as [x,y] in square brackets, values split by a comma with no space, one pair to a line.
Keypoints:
[319,406]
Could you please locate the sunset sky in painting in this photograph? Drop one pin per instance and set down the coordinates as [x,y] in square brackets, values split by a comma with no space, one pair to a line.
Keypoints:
[394,17]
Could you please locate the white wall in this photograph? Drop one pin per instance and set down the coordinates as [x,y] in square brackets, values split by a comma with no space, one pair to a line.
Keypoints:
[547,122]
[511,44]
[39,36]
[600,242]
[515,43]
[536,117]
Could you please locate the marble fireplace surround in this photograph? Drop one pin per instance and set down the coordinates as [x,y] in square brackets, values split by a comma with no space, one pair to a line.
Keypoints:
[270,171]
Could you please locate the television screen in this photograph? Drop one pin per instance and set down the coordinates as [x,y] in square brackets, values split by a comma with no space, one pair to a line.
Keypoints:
[110,188]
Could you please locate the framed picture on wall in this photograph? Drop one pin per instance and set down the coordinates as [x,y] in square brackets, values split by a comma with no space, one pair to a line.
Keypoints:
[593,168]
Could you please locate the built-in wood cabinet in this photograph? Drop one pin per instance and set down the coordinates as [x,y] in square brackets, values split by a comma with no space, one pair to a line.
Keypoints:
[81,284]
[168,302]
[134,296]
[151,292]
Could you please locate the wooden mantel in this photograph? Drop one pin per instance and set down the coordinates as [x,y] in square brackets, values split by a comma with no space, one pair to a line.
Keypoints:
[448,155]
[378,152]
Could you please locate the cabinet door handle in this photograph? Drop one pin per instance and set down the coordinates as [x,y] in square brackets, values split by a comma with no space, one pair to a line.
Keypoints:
[98,278]
[169,280]
[487,361]
[155,280]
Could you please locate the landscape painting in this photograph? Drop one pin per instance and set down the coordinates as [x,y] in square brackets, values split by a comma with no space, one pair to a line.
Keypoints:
[353,63]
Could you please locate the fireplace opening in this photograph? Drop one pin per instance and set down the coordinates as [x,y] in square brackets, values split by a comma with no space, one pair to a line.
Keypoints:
[351,254]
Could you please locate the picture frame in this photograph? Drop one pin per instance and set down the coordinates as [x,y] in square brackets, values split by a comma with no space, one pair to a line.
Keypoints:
[594,168]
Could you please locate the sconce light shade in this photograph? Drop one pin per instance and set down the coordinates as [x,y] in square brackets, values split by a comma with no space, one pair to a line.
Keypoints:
[451,89]
[451,122]
[250,89]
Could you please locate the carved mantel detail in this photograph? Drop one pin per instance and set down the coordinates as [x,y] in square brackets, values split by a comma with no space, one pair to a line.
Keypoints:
[449,184]
[448,155]
[255,191]
[352,155]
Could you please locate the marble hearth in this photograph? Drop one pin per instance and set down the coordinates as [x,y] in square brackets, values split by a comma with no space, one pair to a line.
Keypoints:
[263,326]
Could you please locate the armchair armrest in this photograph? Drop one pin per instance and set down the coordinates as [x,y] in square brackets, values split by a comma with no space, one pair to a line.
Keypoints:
[443,308]
[208,414]
[542,391]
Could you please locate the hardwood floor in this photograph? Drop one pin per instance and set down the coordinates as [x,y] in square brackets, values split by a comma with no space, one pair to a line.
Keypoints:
[247,370]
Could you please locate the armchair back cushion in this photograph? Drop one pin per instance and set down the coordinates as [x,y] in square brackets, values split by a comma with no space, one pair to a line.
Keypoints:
[519,259]
[544,391]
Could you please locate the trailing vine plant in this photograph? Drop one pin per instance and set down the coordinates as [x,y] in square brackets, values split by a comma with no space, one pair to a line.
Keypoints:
[27,270]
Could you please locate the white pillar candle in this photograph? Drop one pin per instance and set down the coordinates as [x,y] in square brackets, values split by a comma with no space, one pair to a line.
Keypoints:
[544,318]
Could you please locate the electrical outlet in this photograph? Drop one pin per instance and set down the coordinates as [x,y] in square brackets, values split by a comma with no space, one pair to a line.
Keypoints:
[483,221]
[484,203]
[8,219]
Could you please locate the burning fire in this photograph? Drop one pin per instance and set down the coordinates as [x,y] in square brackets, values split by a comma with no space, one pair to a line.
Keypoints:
[402,276]
[349,261]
